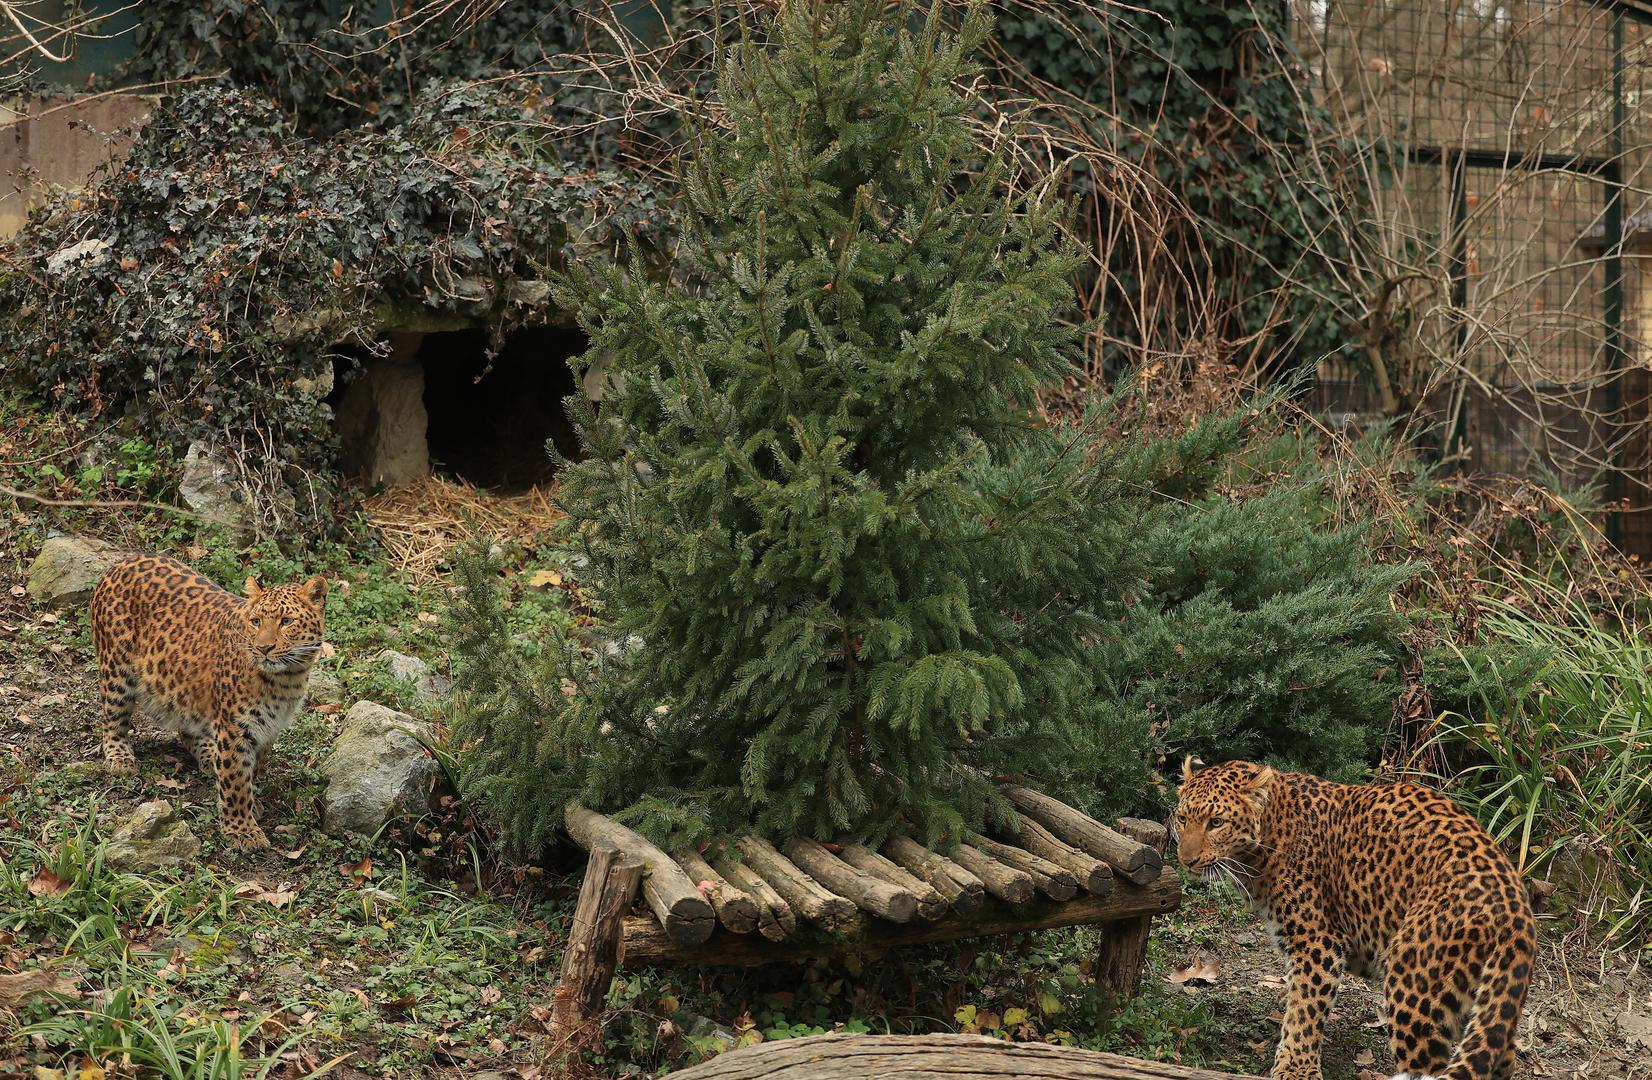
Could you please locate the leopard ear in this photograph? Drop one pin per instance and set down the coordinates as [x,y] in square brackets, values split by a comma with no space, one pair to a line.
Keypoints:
[1190,765]
[315,590]
[1261,785]
[254,590]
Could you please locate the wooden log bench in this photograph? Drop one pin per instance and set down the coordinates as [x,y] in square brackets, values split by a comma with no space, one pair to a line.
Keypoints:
[755,904]
[928,1057]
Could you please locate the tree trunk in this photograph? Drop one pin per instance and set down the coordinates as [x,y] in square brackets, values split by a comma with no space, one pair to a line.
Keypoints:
[1123,948]
[594,950]
[929,1057]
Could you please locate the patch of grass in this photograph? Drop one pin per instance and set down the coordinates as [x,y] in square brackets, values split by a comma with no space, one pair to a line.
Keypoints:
[1563,776]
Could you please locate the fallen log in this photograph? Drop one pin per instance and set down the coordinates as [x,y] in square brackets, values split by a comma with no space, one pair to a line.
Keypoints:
[869,893]
[775,918]
[1005,882]
[802,893]
[1128,858]
[736,910]
[962,890]
[1095,876]
[646,945]
[1056,882]
[931,904]
[685,915]
[929,1057]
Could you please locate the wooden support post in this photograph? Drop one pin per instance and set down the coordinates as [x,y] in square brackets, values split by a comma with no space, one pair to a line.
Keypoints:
[595,947]
[1123,949]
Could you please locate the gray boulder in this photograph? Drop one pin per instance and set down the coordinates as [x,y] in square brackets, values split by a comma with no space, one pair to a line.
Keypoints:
[324,686]
[427,684]
[68,568]
[152,839]
[377,771]
[209,487]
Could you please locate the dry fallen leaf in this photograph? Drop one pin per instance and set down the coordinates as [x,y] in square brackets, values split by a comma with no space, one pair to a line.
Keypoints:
[427,617]
[257,890]
[25,986]
[47,883]
[1365,1057]
[1204,970]
[544,579]
[327,652]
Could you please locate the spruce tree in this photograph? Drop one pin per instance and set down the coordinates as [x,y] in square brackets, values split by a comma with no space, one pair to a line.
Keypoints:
[860,576]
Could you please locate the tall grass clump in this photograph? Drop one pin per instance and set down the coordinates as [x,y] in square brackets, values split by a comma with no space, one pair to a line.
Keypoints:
[1561,771]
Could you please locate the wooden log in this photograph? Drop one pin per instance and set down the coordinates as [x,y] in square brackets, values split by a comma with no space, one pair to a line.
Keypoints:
[1054,881]
[1095,876]
[775,918]
[962,890]
[931,904]
[1122,952]
[801,892]
[1128,858]
[839,1056]
[870,893]
[646,945]
[686,915]
[594,943]
[1005,882]
[735,909]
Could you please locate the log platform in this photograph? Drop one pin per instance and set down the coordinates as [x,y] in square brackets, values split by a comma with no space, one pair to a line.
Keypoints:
[754,904]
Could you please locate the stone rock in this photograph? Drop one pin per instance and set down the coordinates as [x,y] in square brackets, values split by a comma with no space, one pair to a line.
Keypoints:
[68,568]
[209,487]
[427,684]
[382,420]
[377,771]
[318,387]
[90,252]
[152,839]
[324,687]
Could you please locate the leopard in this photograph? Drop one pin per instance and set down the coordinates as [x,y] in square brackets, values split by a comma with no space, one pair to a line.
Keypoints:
[1393,882]
[227,673]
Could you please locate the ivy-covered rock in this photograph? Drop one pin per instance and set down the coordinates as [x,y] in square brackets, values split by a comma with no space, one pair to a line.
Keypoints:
[234,258]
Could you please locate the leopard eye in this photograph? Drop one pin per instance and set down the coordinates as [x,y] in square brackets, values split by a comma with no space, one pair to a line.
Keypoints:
[1215,823]
[286,620]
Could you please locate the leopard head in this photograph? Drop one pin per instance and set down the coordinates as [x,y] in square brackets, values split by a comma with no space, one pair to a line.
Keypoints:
[1219,817]
[285,623]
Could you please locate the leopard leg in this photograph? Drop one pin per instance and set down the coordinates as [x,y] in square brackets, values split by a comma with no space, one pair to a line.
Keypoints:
[120,698]
[205,751]
[1316,972]
[237,812]
[1429,994]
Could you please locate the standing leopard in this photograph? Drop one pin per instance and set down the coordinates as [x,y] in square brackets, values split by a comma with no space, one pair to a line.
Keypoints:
[227,673]
[1386,879]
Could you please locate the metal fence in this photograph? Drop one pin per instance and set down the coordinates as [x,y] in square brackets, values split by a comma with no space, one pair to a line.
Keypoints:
[1514,178]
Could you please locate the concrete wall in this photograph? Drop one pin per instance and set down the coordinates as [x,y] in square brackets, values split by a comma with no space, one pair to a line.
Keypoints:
[60,142]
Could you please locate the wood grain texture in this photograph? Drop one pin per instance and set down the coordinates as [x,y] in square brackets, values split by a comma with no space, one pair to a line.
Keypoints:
[929,1057]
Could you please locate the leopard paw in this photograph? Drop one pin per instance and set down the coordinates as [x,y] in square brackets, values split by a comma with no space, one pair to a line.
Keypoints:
[248,837]
[120,762]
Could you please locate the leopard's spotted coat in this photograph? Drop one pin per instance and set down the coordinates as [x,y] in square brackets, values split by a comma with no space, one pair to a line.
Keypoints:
[1386,880]
[227,673]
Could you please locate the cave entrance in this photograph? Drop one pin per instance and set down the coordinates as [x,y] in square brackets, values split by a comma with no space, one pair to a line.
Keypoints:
[444,402]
